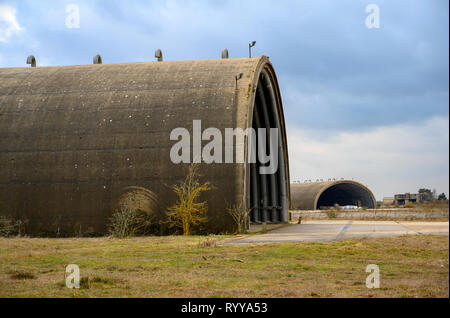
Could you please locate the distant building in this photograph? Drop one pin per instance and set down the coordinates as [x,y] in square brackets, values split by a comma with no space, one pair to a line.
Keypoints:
[388,200]
[402,199]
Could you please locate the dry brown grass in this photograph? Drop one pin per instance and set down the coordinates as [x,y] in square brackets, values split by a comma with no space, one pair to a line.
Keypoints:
[176,266]
[437,206]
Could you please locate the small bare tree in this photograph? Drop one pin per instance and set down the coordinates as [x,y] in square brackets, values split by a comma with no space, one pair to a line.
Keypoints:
[187,213]
[135,214]
[240,217]
[9,227]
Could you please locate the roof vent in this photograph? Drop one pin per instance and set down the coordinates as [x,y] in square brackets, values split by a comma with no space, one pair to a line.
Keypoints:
[97,59]
[225,53]
[31,60]
[159,55]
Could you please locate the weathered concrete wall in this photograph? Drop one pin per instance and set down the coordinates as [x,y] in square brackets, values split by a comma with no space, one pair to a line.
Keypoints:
[364,215]
[74,138]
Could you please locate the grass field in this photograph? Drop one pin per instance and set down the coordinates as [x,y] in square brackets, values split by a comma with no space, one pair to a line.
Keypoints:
[410,266]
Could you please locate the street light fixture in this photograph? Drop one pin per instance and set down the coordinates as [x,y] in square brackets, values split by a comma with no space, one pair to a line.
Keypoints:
[250,45]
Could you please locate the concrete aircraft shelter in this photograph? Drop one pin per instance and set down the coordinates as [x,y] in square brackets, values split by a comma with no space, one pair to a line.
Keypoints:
[76,139]
[314,195]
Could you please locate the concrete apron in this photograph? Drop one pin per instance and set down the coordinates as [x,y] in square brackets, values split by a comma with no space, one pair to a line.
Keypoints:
[334,230]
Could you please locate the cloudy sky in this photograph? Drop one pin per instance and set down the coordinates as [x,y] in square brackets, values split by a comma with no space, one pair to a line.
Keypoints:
[365,103]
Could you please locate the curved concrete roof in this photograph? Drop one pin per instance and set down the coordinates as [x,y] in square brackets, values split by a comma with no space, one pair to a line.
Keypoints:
[313,195]
[72,138]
